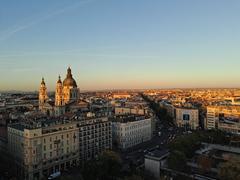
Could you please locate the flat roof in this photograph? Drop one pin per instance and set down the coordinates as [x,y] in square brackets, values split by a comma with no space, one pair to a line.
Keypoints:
[129,118]
[157,154]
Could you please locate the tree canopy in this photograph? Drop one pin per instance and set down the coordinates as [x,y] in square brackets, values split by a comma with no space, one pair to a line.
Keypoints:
[106,167]
[230,170]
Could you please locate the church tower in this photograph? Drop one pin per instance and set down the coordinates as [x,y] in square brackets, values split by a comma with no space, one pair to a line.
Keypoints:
[42,94]
[59,104]
[59,93]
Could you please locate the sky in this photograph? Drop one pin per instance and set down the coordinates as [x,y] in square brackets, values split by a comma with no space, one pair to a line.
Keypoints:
[120,44]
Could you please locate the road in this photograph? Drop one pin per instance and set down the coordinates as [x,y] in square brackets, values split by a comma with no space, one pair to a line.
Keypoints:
[136,154]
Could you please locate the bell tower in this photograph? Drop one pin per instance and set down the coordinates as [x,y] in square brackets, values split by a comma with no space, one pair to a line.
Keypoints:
[42,94]
[59,104]
[59,93]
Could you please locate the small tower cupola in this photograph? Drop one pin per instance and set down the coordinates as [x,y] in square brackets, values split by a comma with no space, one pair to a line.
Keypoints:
[59,80]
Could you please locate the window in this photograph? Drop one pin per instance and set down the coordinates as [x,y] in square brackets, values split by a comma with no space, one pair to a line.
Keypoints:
[35,142]
[186,117]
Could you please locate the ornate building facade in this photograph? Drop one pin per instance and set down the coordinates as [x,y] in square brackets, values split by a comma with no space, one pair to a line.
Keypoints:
[66,93]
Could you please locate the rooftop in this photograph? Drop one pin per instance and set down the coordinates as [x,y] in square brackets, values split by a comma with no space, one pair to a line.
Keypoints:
[157,154]
[129,118]
[38,123]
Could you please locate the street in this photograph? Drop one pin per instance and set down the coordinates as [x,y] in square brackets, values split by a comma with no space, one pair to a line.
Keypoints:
[136,154]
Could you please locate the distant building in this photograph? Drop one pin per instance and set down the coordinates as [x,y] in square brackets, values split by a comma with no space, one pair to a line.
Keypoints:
[187,117]
[129,110]
[226,118]
[44,148]
[233,100]
[131,130]
[121,96]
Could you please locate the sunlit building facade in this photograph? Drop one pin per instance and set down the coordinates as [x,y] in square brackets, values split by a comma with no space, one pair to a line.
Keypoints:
[187,117]
[131,130]
[226,118]
[66,92]
[41,149]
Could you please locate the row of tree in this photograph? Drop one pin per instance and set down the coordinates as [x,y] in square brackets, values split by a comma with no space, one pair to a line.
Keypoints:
[160,112]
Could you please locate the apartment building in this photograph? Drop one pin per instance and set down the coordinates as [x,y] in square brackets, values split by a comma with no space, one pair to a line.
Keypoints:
[44,147]
[131,130]
[187,117]
[121,95]
[226,118]
[95,136]
[130,110]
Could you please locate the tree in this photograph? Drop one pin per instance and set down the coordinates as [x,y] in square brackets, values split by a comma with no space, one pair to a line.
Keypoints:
[205,163]
[106,167]
[177,160]
[110,165]
[230,170]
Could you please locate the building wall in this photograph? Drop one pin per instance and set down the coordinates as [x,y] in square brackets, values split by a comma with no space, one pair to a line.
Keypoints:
[70,94]
[132,133]
[59,110]
[128,110]
[44,151]
[188,117]
[121,96]
[211,118]
[153,167]
[214,114]
[95,137]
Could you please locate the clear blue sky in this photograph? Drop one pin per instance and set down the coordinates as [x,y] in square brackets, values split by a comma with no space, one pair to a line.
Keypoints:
[120,43]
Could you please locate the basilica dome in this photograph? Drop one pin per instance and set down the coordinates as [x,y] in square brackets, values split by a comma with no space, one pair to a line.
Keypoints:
[69,81]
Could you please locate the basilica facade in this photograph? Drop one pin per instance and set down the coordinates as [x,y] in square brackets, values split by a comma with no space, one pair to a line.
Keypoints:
[66,93]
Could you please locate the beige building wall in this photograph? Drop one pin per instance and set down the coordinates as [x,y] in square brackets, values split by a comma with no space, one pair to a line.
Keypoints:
[43,151]
[128,110]
[215,112]
[132,133]
[187,117]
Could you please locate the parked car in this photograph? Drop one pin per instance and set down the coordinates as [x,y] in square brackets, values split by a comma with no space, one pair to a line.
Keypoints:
[54,175]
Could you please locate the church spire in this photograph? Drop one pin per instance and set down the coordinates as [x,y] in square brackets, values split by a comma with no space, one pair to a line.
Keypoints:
[43,82]
[59,79]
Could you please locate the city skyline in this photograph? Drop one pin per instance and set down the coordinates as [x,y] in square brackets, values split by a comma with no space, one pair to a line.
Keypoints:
[120,45]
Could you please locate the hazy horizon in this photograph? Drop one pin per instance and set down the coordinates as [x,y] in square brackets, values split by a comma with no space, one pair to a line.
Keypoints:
[120,44]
